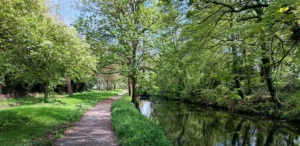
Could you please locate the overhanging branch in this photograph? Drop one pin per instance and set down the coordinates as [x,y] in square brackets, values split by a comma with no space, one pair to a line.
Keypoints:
[237,10]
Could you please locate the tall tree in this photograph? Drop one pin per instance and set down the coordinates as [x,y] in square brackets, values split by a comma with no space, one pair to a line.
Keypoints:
[39,48]
[261,35]
[125,26]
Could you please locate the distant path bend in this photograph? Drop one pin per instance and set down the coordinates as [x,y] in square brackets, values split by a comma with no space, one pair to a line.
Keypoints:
[94,128]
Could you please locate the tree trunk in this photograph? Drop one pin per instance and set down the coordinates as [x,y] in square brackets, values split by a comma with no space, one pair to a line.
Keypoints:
[248,69]
[99,82]
[115,86]
[236,69]
[271,135]
[250,90]
[236,63]
[260,137]
[107,88]
[268,75]
[1,86]
[129,87]
[46,91]
[69,86]
[235,138]
[134,93]
[134,74]
[246,138]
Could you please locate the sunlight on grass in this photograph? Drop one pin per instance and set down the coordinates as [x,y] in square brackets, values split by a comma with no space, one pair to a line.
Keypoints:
[36,123]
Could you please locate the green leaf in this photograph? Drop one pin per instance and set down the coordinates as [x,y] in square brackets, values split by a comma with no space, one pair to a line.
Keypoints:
[284,9]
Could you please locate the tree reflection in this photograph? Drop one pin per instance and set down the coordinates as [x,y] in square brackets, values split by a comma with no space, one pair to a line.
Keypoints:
[191,125]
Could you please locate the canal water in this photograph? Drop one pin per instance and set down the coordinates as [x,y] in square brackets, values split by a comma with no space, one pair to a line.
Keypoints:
[192,125]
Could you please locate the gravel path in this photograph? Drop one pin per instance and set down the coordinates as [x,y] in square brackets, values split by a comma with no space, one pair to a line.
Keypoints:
[94,129]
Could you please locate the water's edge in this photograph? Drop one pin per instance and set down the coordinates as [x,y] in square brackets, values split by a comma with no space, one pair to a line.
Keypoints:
[190,124]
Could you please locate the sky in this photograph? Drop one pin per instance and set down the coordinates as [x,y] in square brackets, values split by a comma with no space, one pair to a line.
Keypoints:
[66,10]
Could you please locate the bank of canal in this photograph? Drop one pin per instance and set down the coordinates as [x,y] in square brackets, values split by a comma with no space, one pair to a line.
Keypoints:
[192,125]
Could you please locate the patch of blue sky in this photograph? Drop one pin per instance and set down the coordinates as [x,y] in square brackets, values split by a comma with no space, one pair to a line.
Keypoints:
[65,10]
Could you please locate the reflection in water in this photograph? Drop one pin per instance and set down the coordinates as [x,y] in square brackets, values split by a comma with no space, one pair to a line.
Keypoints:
[191,125]
[146,108]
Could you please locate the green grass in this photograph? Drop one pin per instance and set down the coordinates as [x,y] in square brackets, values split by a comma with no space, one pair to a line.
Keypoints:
[34,122]
[134,129]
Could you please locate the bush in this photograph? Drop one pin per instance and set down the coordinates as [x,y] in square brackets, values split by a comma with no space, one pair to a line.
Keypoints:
[134,129]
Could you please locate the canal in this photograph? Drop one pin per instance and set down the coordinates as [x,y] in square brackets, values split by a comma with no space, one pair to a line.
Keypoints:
[192,125]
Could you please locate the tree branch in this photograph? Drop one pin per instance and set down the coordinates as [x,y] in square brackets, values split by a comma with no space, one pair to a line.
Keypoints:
[151,69]
[110,73]
[211,15]
[248,18]
[235,10]
[286,54]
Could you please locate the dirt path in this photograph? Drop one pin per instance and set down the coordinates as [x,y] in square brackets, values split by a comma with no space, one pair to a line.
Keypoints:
[93,129]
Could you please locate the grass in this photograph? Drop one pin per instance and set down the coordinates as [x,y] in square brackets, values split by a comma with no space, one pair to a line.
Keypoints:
[33,122]
[27,100]
[134,129]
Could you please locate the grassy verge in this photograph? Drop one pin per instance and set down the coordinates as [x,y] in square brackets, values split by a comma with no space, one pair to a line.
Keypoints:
[33,122]
[134,129]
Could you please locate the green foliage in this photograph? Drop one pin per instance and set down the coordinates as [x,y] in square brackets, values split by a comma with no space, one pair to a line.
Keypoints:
[220,52]
[32,122]
[147,83]
[134,129]
[125,35]
[37,48]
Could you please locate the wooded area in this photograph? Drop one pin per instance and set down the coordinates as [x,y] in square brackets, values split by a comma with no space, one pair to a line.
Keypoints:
[39,52]
[219,52]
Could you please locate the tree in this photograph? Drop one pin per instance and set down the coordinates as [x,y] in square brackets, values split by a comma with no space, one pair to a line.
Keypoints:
[250,30]
[39,49]
[126,26]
